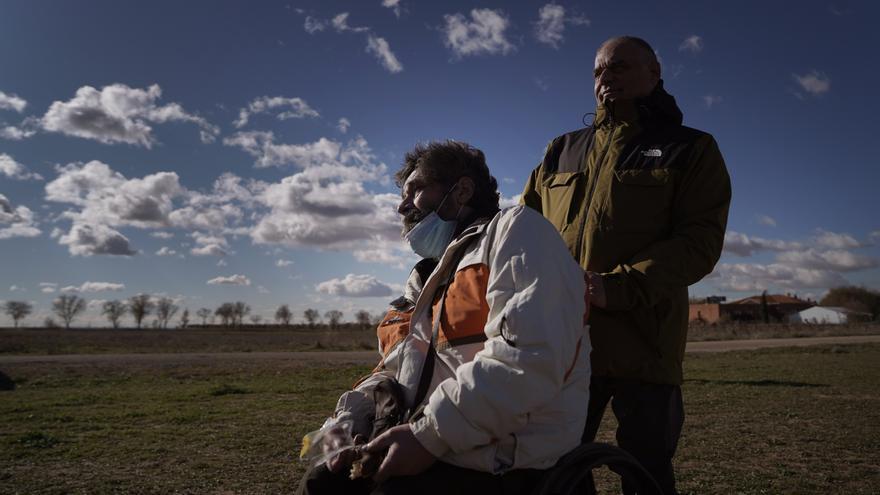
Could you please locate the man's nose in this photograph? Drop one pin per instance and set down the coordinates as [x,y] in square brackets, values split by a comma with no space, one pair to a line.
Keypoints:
[404,206]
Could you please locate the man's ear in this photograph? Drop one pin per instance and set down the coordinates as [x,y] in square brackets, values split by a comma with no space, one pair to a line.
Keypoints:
[464,191]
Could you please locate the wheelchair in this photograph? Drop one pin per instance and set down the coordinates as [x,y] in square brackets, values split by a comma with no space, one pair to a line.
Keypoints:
[573,473]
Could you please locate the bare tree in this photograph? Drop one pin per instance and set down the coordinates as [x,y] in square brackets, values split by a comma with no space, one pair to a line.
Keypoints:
[140,306]
[17,310]
[226,312]
[240,310]
[184,318]
[203,313]
[165,309]
[67,307]
[333,316]
[311,316]
[283,315]
[114,310]
[256,319]
[363,319]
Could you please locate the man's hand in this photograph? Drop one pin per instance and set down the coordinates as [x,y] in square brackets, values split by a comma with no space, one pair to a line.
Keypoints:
[344,459]
[596,289]
[405,457]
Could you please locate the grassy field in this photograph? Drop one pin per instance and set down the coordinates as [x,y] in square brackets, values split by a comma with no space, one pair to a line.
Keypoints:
[42,341]
[803,420]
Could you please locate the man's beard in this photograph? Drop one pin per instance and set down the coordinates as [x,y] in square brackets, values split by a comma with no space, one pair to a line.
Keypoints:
[411,219]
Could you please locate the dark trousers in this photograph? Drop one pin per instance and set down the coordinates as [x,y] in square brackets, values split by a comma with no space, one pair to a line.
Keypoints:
[439,479]
[649,417]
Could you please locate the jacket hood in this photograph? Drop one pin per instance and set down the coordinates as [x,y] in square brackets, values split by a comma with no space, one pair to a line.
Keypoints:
[658,108]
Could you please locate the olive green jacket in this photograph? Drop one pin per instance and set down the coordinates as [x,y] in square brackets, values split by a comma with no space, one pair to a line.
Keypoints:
[643,201]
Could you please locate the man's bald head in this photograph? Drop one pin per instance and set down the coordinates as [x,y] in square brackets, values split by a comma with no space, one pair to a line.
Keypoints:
[626,67]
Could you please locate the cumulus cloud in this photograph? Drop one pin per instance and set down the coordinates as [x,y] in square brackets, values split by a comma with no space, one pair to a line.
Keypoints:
[382,51]
[766,220]
[16,221]
[355,286]
[745,277]
[483,34]
[294,108]
[87,240]
[230,280]
[107,197]
[262,146]
[14,170]
[161,235]
[119,114]
[815,83]
[394,5]
[835,240]
[692,43]
[283,263]
[15,133]
[833,259]
[12,102]
[343,125]
[209,245]
[550,27]
[48,287]
[744,245]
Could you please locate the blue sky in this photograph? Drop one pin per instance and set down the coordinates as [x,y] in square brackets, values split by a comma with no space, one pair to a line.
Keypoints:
[222,151]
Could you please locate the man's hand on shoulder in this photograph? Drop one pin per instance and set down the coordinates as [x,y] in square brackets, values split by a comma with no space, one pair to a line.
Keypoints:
[596,289]
[405,456]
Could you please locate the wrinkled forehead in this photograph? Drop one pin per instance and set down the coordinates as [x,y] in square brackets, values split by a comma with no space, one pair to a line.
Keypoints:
[416,179]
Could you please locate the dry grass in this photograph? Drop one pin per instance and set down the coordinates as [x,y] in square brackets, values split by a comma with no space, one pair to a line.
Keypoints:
[743,331]
[797,420]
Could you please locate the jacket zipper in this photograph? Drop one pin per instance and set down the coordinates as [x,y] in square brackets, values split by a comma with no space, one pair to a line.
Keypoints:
[599,163]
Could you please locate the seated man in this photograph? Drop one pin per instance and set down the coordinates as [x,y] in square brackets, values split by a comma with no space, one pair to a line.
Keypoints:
[488,343]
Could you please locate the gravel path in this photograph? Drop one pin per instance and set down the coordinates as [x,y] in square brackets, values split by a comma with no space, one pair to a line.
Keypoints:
[371,357]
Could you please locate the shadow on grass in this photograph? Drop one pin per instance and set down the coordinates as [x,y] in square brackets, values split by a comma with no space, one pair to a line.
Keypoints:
[756,383]
[6,383]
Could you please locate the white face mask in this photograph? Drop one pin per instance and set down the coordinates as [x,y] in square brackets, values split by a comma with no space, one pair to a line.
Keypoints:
[432,234]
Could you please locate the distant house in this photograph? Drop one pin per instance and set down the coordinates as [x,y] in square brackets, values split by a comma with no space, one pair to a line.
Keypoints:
[779,307]
[829,315]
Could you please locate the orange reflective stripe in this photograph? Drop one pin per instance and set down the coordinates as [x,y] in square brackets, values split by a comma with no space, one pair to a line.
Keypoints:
[577,352]
[465,311]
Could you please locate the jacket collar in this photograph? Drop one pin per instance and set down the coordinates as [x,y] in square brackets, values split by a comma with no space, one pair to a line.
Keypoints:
[658,108]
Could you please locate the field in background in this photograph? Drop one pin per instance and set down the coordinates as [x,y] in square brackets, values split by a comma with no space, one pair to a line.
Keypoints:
[795,420]
[42,341]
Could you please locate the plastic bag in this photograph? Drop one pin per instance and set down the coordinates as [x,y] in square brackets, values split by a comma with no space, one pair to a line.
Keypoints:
[323,444]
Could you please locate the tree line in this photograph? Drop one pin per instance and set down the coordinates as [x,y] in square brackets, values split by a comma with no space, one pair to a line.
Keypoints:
[68,307]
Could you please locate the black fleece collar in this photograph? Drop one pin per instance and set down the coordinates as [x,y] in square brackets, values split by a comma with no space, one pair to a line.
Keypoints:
[658,108]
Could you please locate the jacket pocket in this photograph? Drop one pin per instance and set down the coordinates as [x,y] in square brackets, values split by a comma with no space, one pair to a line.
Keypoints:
[641,200]
[562,198]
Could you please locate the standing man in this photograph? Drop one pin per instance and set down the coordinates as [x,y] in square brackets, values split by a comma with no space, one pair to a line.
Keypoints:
[641,201]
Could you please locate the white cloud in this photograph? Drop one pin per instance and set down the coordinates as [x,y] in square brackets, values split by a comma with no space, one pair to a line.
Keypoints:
[388,252]
[483,34]
[87,240]
[508,201]
[313,25]
[15,288]
[693,44]
[815,83]
[94,287]
[165,251]
[161,235]
[222,262]
[14,170]
[744,245]
[230,280]
[834,240]
[297,108]
[551,24]
[380,49]
[283,263]
[209,245]
[834,259]
[15,133]
[119,114]
[766,220]
[107,197]
[12,102]
[343,125]
[394,5]
[48,287]
[712,100]
[340,23]
[16,222]
[355,286]
[327,152]
[744,277]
